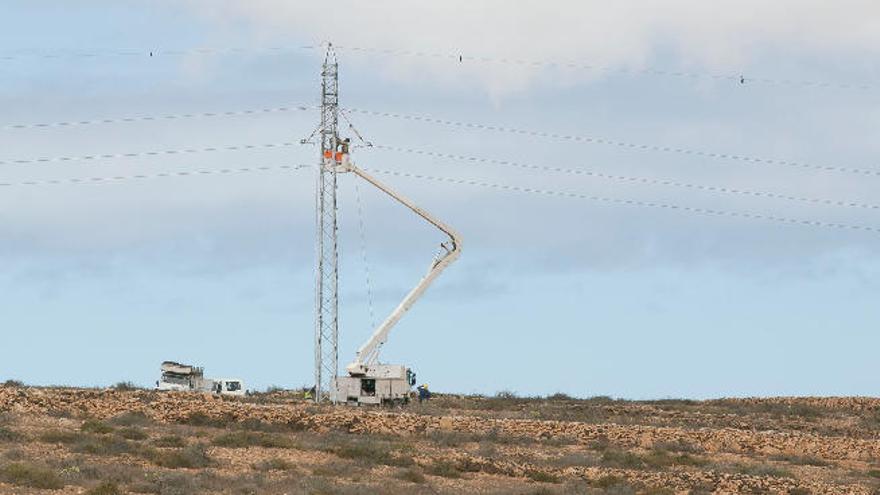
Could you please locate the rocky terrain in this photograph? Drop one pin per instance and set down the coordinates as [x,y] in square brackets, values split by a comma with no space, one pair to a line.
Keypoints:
[104,442]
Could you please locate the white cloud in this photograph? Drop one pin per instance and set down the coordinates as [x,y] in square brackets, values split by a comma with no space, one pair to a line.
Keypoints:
[716,35]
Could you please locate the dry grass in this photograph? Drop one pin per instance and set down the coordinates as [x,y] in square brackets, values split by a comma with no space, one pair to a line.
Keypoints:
[223,453]
[31,476]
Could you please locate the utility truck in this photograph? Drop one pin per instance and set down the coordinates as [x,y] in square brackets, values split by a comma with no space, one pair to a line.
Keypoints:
[184,377]
[368,381]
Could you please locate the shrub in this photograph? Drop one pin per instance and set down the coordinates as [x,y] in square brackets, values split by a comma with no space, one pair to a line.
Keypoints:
[506,394]
[874,473]
[58,436]
[31,476]
[194,456]
[659,490]
[621,459]
[243,439]
[172,441]
[411,475]
[106,488]
[133,418]
[7,435]
[762,470]
[445,469]
[801,460]
[559,396]
[13,384]
[202,419]
[95,426]
[105,446]
[572,459]
[541,476]
[273,464]
[609,482]
[125,387]
[133,434]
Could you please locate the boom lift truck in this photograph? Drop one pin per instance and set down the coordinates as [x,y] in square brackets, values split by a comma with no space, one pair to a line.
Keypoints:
[368,381]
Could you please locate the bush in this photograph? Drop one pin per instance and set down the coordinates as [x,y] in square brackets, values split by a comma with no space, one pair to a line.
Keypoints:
[171,441]
[621,459]
[372,453]
[202,419]
[274,464]
[874,473]
[125,387]
[13,384]
[7,435]
[194,456]
[609,482]
[506,394]
[799,460]
[445,469]
[541,476]
[31,476]
[762,470]
[559,396]
[58,436]
[133,434]
[106,488]
[104,446]
[244,439]
[411,475]
[95,426]
[133,418]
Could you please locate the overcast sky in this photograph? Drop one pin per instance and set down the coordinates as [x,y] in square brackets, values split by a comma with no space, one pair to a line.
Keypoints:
[748,109]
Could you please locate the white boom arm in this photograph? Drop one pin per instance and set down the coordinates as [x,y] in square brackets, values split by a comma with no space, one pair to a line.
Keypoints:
[368,354]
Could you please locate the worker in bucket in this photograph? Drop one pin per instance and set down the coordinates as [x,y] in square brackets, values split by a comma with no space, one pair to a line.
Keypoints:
[424,393]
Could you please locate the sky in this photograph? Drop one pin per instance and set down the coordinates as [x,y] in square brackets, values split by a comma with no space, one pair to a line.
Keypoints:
[640,119]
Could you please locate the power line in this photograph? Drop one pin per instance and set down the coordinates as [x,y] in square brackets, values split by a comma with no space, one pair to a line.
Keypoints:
[149,52]
[619,144]
[630,202]
[183,173]
[738,78]
[630,179]
[149,118]
[188,151]
[450,180]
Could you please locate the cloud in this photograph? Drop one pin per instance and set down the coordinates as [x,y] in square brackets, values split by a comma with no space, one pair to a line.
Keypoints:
[715,35]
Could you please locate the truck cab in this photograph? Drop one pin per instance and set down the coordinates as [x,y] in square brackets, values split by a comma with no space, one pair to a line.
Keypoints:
[229,386]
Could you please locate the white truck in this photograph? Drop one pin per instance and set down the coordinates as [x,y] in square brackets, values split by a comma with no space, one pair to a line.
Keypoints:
[184,377]
[368,381]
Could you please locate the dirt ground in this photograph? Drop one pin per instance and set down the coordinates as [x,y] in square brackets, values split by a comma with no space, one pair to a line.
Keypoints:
[104,442]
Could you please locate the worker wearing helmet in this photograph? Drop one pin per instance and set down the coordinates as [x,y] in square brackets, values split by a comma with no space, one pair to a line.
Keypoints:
[424,393]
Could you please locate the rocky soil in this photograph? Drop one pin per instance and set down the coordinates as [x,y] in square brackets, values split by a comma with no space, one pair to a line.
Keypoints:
[110,441]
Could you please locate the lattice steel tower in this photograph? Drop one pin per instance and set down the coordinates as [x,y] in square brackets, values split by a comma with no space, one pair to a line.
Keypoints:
[327,276]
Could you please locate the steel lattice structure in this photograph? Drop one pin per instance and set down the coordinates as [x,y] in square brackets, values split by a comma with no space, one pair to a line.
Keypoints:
[327,276]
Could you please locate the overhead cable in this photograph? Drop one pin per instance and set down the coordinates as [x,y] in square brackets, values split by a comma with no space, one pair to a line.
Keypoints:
[629,179]
[630,202]
[140,154]
[151,118]
[739,77]
[149,52]
[469,182]
[620,144]
[120,178]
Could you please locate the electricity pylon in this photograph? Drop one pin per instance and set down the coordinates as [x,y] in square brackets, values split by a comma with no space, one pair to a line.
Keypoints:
[327,276]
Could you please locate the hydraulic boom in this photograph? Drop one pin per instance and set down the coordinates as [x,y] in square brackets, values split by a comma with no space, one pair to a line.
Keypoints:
[365,369]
